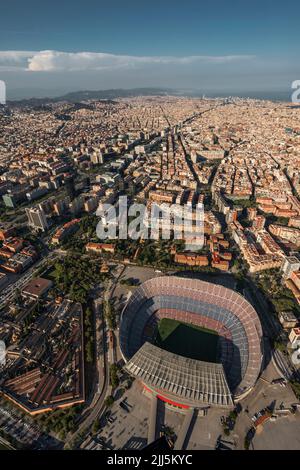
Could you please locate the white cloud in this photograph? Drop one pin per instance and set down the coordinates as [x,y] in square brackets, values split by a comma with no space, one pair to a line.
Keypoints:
[51,61]
[12,60]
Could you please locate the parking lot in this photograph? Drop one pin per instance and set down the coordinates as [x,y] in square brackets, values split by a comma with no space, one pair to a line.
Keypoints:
[129,429]
[282,434]
[206,430]
[23,431]
[266,394]
[16,427]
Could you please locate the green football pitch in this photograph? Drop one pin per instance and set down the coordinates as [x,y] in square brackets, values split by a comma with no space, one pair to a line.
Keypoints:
[187,340]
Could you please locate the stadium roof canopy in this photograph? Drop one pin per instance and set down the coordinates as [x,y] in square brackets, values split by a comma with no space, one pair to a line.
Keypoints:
[184,378]
[207,305]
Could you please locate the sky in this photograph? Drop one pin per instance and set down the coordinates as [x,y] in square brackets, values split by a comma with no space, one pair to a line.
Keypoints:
[231,46]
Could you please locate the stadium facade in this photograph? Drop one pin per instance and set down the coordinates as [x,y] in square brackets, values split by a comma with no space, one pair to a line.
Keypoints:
[178,380]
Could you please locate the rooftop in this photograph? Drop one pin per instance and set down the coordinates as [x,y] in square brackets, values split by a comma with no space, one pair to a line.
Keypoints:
[37,287]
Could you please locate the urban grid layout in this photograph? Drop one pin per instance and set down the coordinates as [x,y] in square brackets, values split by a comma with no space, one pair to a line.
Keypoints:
[115,343]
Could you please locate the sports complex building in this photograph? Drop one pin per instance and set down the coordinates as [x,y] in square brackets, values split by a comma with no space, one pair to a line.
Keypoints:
[191,343]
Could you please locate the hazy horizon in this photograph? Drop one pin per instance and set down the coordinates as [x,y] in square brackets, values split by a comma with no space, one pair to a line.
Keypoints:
[39,93]
[227,48]
[27,94]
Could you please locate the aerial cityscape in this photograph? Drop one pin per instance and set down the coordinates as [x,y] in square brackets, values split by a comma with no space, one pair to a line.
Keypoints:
[147,340]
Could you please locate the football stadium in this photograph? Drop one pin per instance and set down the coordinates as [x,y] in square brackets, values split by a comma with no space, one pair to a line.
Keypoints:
[190,342]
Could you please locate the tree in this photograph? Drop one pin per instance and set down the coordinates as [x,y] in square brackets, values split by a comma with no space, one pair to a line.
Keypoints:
[246,444]
[113,371]
[89,351]
[96,426]
[109,401]
[109,315]
[296,388]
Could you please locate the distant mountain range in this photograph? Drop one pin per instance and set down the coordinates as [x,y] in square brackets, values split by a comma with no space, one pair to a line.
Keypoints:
[84,95]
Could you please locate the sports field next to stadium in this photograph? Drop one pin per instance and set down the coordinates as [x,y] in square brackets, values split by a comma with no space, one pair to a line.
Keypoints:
[187,340]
